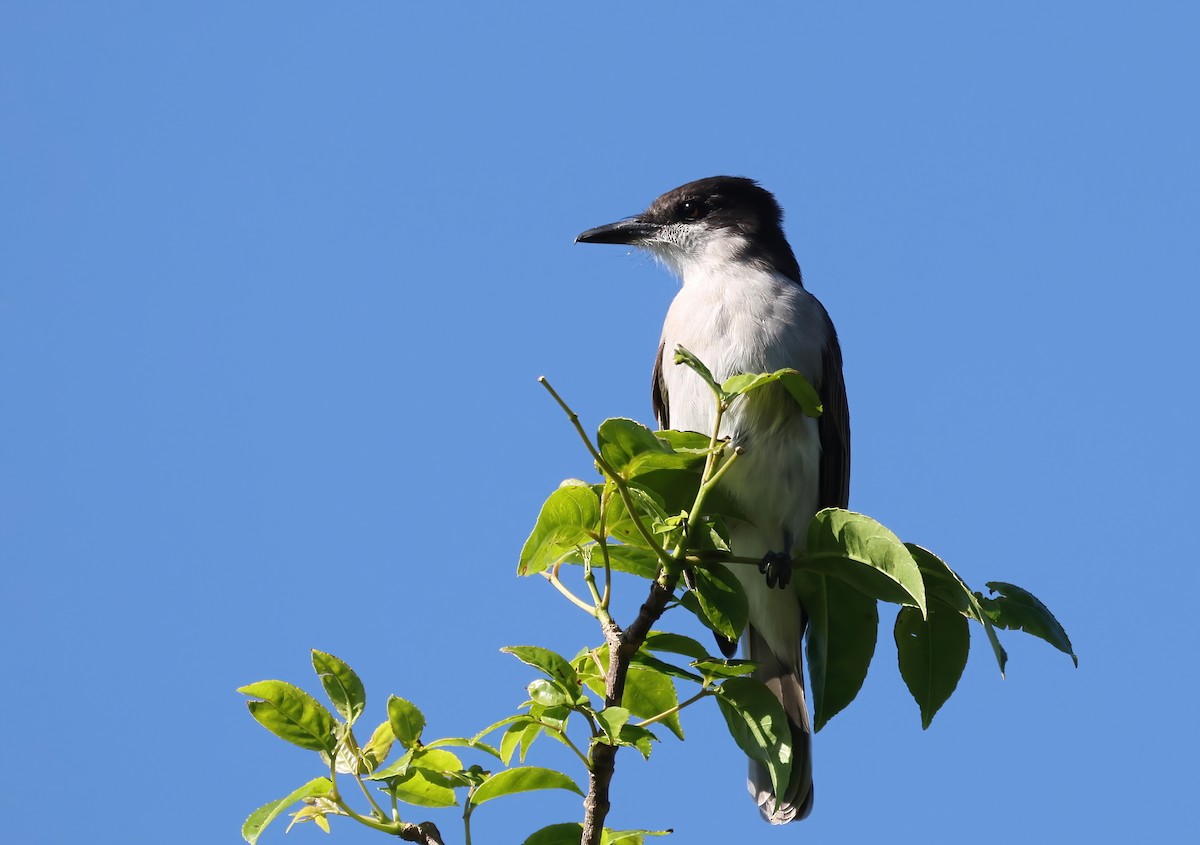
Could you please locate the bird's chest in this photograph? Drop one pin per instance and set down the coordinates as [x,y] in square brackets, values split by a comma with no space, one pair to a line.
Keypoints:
[750,325]
[752,322]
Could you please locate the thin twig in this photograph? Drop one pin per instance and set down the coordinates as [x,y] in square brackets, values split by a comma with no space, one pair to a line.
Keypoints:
[552,577]
[612,474]
[645,722]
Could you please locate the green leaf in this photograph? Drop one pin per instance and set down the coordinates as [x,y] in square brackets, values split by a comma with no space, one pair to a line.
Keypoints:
[626,444]
[396,768]
[464,742]
[648,693]
[292,714]
[675,488]
[569,518]
[648,509]
[682,356]
[641,658]
[406,720]
[648,687]
[437,764]
[713,669]
[565,833]
[636,560]
[342,685]
[675,644]
[1018,609]
[378,747]
[611,720]
[531,732]
[637,737]
[796,384]
[865,554]
[557,667]
[417,787]
[547,693]
[510,739]
[689,442]
[842,629]
[943,582]
[932,653]
[522,779]
[759,726]
[267,813]
[721,599]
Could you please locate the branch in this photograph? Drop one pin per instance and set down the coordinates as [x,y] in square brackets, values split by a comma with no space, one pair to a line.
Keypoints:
[425,833]
[612,474]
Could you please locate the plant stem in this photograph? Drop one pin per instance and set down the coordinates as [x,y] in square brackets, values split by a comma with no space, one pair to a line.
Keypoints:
[612,474]
[703,693]
[552,577]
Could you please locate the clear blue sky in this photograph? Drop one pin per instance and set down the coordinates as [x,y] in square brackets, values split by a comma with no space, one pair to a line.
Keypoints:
[276,281]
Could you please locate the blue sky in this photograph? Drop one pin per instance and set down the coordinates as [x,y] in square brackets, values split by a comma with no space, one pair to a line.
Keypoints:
[277,280]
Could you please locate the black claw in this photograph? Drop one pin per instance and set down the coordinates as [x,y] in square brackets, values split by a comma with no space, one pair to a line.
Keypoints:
[777,566]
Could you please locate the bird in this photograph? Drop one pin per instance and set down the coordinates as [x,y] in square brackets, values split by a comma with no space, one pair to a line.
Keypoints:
[742,308]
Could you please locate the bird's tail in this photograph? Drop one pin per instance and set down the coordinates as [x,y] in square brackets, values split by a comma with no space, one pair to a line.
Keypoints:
[787,683]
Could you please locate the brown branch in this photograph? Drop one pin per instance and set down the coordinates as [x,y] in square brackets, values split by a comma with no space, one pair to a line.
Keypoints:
[622,645]
[425,833]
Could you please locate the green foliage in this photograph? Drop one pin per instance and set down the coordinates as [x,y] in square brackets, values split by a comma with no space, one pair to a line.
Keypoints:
[1022,611]
[842,626]
[759,726]
[658,513]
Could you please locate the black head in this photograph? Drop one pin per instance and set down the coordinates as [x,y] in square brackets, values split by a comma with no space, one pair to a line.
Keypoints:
[719,209]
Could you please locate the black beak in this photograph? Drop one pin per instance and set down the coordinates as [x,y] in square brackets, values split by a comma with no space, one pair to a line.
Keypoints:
[632,230]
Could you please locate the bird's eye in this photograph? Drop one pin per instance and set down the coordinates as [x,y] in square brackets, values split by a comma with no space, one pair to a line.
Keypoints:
[693,209]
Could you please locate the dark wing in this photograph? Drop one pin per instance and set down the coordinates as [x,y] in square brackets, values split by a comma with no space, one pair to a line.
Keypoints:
[834,427]
[658,391]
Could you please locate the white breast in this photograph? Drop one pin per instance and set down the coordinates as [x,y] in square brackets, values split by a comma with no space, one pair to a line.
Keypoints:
[745,320]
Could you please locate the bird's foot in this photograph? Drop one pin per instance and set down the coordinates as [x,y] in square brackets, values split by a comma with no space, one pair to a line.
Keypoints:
[777,566]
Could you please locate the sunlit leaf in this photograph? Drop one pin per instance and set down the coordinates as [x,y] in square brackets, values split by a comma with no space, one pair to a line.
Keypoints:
[554,665]
[342,685]
[648,693]
[570,517]
[612,719]
[292,714]
[378,747]
[417,787]
[267,813]
[796,384]
[636,560]
[759,726]
[522,779]
[865,554]
[548,693]
[463,742]
[406,719]
[627,445]
[682,356]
